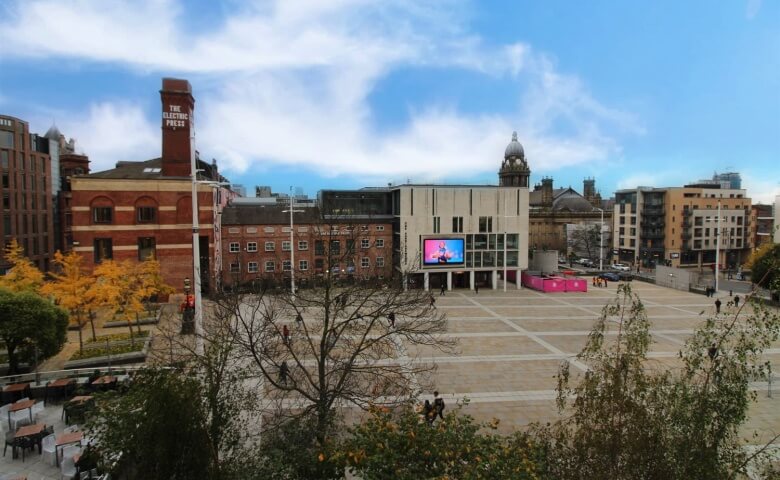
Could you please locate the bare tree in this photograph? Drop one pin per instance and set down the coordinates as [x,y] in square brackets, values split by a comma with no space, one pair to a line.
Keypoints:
[585,240]
[351,339]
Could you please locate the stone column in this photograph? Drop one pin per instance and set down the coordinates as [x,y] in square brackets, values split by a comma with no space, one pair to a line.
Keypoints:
[427,281]
[471,280]
[449,281]
[495,279]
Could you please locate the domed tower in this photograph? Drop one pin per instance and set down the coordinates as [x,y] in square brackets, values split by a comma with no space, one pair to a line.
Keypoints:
[514,170]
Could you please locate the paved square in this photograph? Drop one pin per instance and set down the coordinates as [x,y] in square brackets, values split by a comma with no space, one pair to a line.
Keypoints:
[511,344]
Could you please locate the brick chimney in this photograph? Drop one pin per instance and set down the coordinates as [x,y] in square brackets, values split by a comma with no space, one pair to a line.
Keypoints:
[177,109]
[547,191]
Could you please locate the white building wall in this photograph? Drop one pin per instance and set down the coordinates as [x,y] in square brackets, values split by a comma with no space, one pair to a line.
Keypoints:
[419,205]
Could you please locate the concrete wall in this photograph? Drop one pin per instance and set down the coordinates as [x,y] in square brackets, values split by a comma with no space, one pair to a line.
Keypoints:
[676,278]
[543,261]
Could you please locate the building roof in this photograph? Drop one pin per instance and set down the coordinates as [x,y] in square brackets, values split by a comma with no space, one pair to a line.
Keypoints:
[151,169]
[266,215]
[53,133]
[571,201]
[514,149]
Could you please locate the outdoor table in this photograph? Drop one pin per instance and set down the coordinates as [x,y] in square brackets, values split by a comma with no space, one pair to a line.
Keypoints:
[20,405]
[105,380]
[66,439]
[81,398]
[29,431]
[60,386]
[15,391]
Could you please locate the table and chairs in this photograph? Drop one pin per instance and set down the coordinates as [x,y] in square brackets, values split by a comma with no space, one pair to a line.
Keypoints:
[15,391]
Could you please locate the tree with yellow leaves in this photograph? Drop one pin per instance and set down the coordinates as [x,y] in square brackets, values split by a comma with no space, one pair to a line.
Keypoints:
[152,285]
[71,287]
[23,275]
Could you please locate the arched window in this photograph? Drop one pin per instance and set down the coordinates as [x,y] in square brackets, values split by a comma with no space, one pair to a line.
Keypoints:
[145,210]
[102,210]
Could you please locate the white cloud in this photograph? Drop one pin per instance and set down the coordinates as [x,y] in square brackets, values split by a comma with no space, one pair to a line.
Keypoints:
[760,188]
[289,82]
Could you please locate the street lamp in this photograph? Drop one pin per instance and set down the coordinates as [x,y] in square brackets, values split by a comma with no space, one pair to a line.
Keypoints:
[292,248]
[601,240]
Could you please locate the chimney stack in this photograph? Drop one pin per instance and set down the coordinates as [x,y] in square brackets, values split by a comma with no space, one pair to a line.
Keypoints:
[177,109]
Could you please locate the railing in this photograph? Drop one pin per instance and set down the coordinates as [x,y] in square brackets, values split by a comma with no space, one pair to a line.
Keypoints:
[43,377]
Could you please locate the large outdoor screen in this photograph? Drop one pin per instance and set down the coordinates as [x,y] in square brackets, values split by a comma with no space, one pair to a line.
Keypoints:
[443,251]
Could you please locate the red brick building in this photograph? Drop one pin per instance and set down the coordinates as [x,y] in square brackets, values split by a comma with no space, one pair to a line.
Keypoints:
[144,208]
[256,245]
[26,190]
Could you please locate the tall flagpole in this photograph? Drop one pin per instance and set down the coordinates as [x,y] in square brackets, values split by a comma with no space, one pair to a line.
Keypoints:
[717,251]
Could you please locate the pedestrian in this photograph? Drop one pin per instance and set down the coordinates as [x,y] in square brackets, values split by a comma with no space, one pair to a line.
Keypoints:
[707,291]
[284,371]
[606,283]
[736,301]
[717,305]
[593,280]
[427,412]
[391,319]
[438,406]
[443,289]
[433,301]
[476,288]
[299,320]
[712,352]
[286,334]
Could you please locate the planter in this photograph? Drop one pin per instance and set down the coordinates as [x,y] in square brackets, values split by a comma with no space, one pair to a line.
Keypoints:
[141,321]
[118,359]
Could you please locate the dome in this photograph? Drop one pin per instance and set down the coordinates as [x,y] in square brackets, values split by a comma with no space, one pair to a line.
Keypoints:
[514,149]
[53,133]
[572,203]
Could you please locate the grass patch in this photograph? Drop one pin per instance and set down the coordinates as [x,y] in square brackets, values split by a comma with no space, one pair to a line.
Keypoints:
[117,337]
[113,350]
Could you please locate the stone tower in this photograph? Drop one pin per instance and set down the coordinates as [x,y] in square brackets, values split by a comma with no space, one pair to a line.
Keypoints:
[514,170]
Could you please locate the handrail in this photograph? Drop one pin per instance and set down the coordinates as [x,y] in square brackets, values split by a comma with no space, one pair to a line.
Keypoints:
[74,372]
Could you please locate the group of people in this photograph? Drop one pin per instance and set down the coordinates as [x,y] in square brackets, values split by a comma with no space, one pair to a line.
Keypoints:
[432,410]
[709,291]
[599,282]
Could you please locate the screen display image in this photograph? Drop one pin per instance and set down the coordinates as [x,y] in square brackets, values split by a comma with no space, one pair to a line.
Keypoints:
[443,251]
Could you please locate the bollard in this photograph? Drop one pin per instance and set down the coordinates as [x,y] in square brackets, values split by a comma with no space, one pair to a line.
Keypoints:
[731,293]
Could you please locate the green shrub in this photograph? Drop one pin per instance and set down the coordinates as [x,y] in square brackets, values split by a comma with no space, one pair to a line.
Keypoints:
[114,350]
[117,337]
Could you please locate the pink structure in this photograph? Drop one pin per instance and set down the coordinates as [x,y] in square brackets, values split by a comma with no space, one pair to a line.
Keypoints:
[550,284]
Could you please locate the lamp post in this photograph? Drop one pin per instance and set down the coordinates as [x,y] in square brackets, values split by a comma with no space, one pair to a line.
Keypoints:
[292,248]
[601,240]
[198,314]
[717,251]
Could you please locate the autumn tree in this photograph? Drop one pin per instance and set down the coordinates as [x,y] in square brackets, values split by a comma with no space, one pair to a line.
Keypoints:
[627,419]
[29,325]
[343,349]
[71,287]
[23,276]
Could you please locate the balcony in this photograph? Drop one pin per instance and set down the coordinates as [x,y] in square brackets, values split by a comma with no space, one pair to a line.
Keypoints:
[686,223]
[686,235]
[653,210]
[652,235]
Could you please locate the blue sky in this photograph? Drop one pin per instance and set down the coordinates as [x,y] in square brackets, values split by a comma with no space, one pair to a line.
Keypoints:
[349,93]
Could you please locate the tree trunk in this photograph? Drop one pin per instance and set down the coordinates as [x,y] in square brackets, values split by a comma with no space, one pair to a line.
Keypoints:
[92,324]
[132,334]
[81,340]
[138,323]
[13,363]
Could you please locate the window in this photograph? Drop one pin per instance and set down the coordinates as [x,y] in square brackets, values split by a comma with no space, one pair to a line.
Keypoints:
[365,262]
[146,214]
[303,265]
[102,214]
[270,246]
[235,267]
[303,245]
[319,247]
[380,243]
[146,248]
[485,224]
[6,139]
[251,267]
[365,243]
[234,230]
[380,261]
[251,246]
[364,228]
[436,224]
[270,266]
[457,224]
[286,246]
[335,247]
[103,249]
[380,228]
[235,247]
[4,159]
[286,266]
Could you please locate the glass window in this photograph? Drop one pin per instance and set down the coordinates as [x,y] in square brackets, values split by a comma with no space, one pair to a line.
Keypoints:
[457,224]
[380,261]
[512,241]
[365,243]
[436,224]
[4,159]
[146,248]
[380,243]
[103,249]
[286,265]
[235,267]
[365,262]
[251,267]
[488,259]
[270,246]
[7,224]
[485,224]
[380,228]
[491,242]
[319,247]
[146,214]
[511,259]
[303,265]
[270,266]
[6,139]
[335,247]
[235,247]
[102,214]
[303,245]
[286,246]
[251,246]
[480,242]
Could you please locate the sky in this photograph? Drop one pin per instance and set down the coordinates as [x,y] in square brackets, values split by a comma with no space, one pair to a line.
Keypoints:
[320,94]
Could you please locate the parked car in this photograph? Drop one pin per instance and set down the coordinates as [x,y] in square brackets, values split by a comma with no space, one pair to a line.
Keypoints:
[621,267]
[610,276]
[625,277]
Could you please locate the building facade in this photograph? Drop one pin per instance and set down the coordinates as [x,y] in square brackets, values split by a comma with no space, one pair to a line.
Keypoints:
[761,225]
[27,190]
[678,226]
[142,209]
[257,246]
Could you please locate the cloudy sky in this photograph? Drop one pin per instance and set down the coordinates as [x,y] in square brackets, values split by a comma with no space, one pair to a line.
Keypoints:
[348,93]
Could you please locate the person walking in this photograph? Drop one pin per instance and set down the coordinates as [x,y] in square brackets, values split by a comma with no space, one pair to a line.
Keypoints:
[286,334]
[593,281]
[443,289]
[606,283]
[433,301]
[391,319]
[299,320]
[717,305]
[284,372]
[427,412]
[476,288]
[438,406]
[736,301]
